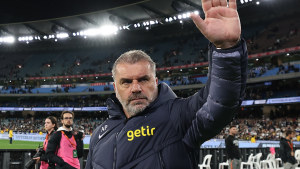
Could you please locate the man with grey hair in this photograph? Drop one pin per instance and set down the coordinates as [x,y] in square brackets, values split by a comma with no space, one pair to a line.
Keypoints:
[149,127]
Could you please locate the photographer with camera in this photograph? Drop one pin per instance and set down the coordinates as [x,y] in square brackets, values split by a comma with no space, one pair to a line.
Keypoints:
[62,147]
[50,127]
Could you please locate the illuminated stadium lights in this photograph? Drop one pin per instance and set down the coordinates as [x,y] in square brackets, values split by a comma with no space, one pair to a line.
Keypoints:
[103,30]
[7,39]
[62,35]
[25,39]
[257,3]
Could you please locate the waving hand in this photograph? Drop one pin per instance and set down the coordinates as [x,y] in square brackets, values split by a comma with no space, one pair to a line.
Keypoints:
[221,25]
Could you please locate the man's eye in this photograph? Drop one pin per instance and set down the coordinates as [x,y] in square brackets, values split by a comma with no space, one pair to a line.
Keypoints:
[143,80]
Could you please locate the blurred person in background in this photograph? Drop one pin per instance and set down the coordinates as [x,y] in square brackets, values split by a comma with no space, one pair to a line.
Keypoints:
[232,148]
[286,151]
[50,127]
[10,135]
[62,147]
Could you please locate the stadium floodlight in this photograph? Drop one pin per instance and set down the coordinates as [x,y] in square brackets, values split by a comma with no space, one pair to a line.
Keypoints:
[257,3]
[242,1]
[246,1]
[152,22]
[45,37]
[179,16]
[167,19]
[74,34]
[147,28]
[196,12]
[288,54]
[180,21]
[188,14]
[108,30]
[7,39]
[62,35]
[184,16]
[170,19]
[175,18]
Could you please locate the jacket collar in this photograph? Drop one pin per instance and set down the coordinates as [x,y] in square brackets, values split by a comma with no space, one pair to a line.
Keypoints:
[115,109]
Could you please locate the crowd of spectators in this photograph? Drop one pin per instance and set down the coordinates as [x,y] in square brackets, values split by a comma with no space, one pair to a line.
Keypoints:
[262,129]
[30,125]
[259,128]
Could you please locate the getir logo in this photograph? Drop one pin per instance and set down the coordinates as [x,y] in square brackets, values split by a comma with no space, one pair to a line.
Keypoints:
[140,132]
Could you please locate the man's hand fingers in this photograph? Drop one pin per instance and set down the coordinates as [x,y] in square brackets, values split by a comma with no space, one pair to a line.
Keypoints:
[216,3]
[223,3]
[199,22]
[232,4]
[206,5]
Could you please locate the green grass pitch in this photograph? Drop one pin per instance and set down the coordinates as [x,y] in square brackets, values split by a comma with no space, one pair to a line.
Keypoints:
[4,144]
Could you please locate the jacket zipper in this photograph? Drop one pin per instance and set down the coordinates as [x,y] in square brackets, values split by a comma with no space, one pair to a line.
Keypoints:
[115,152]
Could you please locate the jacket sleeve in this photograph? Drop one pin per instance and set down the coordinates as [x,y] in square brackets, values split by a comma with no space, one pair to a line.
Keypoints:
[203,115]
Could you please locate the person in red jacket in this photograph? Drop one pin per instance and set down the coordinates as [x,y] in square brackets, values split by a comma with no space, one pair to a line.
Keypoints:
[50,127]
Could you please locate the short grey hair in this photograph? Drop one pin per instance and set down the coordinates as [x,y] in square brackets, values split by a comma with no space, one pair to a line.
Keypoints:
[131,57]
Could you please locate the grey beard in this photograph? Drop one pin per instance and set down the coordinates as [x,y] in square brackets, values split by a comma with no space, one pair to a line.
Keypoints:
[133,111]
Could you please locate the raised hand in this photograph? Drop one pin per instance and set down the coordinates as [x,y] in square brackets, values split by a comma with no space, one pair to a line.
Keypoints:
[222,23]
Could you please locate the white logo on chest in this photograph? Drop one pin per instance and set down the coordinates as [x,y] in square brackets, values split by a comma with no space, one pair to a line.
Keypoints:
[103,131]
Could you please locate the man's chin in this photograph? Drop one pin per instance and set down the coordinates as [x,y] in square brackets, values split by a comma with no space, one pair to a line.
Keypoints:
[136,109]
[68,126]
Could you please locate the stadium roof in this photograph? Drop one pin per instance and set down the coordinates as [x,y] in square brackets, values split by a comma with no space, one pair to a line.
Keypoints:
[23,18]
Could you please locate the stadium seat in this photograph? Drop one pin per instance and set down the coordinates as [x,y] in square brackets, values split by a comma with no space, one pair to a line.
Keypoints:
[249,162]
[221,165]
[269,163]
[297,156]
[206,162]
[256,160]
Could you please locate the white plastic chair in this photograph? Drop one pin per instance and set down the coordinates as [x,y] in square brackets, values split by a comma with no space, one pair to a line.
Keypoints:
[206,162]
[222,165]
[248,163]
[256,160]
[269,162]
[297,155]
[279,163]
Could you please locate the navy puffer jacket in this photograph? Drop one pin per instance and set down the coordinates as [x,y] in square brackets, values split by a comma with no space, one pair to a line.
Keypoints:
[168,134]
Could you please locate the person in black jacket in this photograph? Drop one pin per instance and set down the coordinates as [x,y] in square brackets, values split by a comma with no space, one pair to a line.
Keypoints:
[50,127]
[286,150]
[149,127]
[232,148]
[62,147]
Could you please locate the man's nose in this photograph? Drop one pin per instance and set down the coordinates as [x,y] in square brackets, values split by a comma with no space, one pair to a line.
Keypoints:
[136,87]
